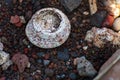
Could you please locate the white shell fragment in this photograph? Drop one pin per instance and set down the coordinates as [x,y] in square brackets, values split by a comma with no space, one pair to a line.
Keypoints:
[48,28]
[84,67]
[100,37]
[4,57]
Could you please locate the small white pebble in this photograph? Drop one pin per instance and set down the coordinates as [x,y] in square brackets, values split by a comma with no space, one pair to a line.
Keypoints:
[22,19]
[85,47]
[28,65]
[86,13]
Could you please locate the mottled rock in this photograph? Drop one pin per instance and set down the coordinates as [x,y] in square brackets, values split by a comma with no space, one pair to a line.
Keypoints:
[114,72]
[85,68]
[4,57]
[70,5]
[97,18]
[21,60]
[100,36]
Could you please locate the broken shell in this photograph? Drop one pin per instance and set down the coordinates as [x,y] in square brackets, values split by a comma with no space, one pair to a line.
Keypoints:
[116,24]
[48,28]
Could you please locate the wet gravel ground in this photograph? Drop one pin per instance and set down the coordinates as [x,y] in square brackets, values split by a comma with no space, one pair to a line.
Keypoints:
[56,68]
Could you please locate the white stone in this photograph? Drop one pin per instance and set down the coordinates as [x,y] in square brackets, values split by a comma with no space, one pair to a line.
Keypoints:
[48,28]
[6,65]
[116,24]
[4,57]
[85,47]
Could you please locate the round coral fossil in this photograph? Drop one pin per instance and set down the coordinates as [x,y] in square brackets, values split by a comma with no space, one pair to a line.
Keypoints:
[48,28]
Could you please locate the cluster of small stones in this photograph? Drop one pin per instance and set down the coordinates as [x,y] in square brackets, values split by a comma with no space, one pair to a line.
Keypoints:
[48,28]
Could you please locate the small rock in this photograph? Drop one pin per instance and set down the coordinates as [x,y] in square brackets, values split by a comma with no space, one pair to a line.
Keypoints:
[85,47]
[40,54]
[21,60]
[116,24]
[60,76]
[22,19]
[108,21]
[72,76]
[3,78]
[15,19]
[39,61]
[97,18]
[85,68]
[1,46]
[86,13]
[70,5]
[46,62]
[63,56]
[4,57]
[49,72]
[6,65]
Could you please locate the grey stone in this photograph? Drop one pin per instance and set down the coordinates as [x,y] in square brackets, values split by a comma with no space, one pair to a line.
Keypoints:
[85,68]
[70,5]
[46,62]
[49,72]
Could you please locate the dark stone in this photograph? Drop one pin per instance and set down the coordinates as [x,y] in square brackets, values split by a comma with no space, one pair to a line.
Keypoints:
[63,56]
[72,76]
[98,18]
[40,54]
[70,5]
[49,72]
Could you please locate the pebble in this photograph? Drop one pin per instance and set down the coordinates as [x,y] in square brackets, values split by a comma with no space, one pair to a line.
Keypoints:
[86,13]
[63,56]
[46,62]
[1,46]
[72,76]
[70,5]
[108,21]
[85,68]
[97,18]
[60,76]
[116,24]
[4,57]
[85,47]
[6,65]
[39,61]
[40,54]
[49,72]
[22,19]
